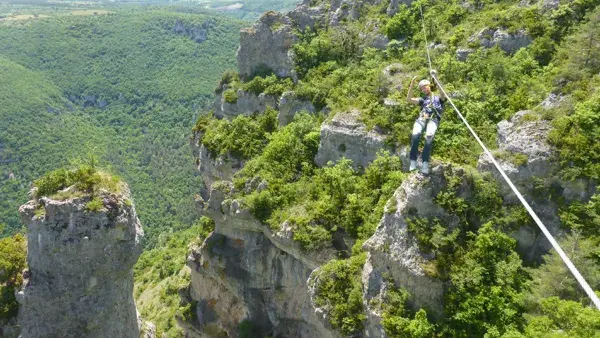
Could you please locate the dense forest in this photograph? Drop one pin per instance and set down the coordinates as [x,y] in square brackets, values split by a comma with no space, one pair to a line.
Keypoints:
[123,87]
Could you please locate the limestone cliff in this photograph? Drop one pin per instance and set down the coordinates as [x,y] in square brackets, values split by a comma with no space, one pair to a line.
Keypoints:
[247,272]
[80,278]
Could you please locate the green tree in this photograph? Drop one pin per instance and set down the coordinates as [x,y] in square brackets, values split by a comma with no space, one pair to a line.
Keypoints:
[487,283]
[13,254]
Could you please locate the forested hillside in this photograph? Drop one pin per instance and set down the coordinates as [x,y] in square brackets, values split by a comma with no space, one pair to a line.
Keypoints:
[124,87]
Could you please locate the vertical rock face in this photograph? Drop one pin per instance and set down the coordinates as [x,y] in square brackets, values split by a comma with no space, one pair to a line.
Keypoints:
[267,46]
[393,251]
[80,268]
[243,271]
[289,105]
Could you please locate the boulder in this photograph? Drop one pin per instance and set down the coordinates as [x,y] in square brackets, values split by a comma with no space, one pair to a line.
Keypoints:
[508,42]
[463,53]
[346,136]
[528,160]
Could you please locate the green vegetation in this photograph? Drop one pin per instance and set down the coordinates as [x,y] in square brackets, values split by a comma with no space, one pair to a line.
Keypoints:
[85,179]
[13,252]
[338,289]
[487,284]
[395,321]
[160,273]
[242,137]
[123,86]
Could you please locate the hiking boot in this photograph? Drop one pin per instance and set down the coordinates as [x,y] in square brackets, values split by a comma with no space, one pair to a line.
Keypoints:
[413,166]
[425,168]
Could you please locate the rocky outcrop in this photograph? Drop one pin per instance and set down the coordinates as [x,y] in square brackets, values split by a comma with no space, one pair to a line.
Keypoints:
[289,105]
[267,45]
[394,259]
[346,136]
[80,279]
[245,271]
[305,17]
[508,42]
[463,53]
[212,169]
[197,33]
[395,4]
[393,80]
[247,103]
[528,160]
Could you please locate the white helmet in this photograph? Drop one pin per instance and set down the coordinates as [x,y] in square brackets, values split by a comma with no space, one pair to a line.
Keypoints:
[424,83]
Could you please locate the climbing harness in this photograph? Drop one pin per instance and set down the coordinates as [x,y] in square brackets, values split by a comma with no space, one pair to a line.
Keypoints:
[582,282]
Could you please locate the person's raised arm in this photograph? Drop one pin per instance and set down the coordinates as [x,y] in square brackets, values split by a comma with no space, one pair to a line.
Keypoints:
[409,97]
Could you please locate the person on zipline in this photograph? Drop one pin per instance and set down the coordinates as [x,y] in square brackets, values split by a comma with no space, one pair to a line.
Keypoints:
[428,120]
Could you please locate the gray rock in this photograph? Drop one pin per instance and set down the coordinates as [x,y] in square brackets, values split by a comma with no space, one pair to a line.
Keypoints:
[289,105]
[394,78]
[247,104]
[267,45]
[197,34]
[148,330]
[549,5]
[463,53]
[395,4]
[80,268]
[346,136]
[213,169]
[393,250]
[305,17]
[552,101]
[528,137]
[509,43]
[371,37]
[243,270]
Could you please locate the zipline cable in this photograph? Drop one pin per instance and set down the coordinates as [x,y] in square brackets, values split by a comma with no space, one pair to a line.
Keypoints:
[582,282]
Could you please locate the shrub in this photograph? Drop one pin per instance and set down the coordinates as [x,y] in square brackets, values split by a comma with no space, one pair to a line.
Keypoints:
[95,205]
[13,254]
[230,96]
[487,284]
[339,291]
[396,321]
[84,178]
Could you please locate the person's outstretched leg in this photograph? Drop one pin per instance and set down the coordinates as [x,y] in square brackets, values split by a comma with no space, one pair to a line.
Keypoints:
[414,143]
[432,126]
